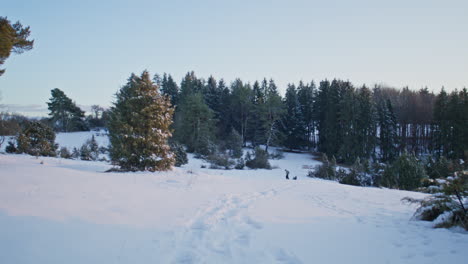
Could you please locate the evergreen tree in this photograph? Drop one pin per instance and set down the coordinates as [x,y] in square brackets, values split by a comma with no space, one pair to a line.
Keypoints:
[306,97]
[234,144]
[190,85]
[274,112]
[346,135]
[36,139]
[259,116]
[225,115]
[195,125]
[365,124]
[327,117]
[64,114]
[241,107]
[169,88]
[406,173]
[387,131]
[13,38]
[293,121]
[139,127]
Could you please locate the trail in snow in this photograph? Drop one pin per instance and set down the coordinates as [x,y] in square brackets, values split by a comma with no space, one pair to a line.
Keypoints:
[222,231]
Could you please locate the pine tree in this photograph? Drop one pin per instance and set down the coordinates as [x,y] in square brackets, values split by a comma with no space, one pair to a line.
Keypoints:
[306,97]
[13,38]
[406,173]
[225,115]
[293,126]
[388,134]
[169,88]
[366,124]
[274,110]
[195,125]
[241,107]
[64,114]
[259,116]
[190,85]
[139,127]
[37,139]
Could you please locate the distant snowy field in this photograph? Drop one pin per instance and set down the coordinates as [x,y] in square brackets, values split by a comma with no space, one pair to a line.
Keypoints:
[70,211]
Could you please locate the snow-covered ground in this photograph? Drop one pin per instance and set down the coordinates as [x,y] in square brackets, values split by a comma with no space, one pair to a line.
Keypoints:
[67,211]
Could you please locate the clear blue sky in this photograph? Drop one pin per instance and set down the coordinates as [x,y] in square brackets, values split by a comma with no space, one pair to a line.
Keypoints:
[89,48]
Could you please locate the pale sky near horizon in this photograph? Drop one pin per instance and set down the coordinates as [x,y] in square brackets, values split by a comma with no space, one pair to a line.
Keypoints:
[89,48]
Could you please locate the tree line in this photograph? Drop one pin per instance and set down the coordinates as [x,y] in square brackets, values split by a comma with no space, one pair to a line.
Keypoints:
[334,117]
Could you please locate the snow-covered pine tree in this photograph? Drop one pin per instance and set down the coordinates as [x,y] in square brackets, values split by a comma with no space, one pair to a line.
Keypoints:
[139,127]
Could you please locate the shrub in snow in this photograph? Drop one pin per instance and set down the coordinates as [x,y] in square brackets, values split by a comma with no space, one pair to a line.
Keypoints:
[447,208]
[11,148]
[327,170]
[406,173]
[240,164]
[233,144]
[36,139]
[259,159]
[75,153]
[64,153]
[359,174]
[180,154]
[220,160]
[89,150]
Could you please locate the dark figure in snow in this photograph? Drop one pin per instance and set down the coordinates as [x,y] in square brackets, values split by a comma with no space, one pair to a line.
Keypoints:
[287,174]
[295,178]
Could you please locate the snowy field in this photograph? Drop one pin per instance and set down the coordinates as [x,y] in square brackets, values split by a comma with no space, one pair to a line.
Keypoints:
[68,211]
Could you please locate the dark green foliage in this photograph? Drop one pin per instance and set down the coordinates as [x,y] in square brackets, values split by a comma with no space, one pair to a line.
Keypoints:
[406,173]
[220,160]
[64,153]
[439,168]
[180,154]
[293,126]
[139,127]
[90,150]
[306,96]
[359,174]
[327,170]
[258,159]
[451,129]
[448,208]
[240,164]
[169,88]
[233,144]
[388,131]
[241,107]
[11,148]
[75,153]
[13,38]
[195,125]
[36,139]
[274,112]
[64,114]
[190,85]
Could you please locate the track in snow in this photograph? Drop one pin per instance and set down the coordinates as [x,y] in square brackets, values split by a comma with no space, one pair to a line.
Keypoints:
[223,231]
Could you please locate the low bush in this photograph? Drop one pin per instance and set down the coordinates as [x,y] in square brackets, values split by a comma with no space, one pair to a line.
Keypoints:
[447,208]
[180,154]
[257,159]
[36,139]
